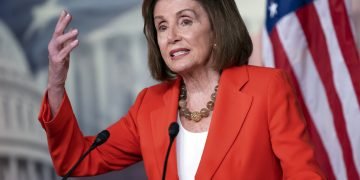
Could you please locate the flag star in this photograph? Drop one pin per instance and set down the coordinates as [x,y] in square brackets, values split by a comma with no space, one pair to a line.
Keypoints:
[273,9]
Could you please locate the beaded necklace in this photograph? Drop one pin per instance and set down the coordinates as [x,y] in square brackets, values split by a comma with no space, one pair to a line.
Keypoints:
[195,115]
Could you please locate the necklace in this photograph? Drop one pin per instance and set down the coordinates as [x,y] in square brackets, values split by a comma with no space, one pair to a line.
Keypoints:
[196,115]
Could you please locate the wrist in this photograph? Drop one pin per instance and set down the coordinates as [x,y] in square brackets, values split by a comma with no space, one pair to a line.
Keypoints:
[56,87]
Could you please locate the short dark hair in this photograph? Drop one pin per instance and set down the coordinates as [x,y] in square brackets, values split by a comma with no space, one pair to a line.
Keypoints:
[233,42]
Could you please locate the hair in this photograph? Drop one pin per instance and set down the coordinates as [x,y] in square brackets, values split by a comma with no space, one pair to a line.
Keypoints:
[233,42]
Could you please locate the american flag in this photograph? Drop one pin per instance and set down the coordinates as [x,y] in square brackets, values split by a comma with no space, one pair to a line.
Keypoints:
[314,41]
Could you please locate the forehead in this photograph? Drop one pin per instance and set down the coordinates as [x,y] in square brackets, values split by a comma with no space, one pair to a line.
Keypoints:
[166,7]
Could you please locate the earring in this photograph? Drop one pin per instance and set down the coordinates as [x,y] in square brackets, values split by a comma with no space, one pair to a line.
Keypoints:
[214,45]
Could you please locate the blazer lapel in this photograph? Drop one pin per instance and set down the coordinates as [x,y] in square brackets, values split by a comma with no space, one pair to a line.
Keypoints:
[231,108]
[161,119]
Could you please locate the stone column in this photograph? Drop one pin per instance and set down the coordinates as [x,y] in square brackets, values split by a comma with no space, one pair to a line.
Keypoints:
[46,172]
[25,119]
[2,115]
[13,118]
[13,169]
[4,168]
[31,168]
[99,52]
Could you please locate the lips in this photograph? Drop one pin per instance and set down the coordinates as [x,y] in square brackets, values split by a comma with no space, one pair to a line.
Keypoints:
[177,53]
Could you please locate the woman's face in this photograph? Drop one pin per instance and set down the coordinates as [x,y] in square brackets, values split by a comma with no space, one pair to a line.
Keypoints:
[184,35]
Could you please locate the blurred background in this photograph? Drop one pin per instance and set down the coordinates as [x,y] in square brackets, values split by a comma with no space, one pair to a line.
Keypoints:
[107,71]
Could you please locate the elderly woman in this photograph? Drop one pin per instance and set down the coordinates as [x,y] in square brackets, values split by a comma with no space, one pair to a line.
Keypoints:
[236,121]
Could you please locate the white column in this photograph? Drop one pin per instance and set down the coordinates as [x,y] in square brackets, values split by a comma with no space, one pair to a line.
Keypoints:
[138,64]
[101,74]
[25,115]
[46,172]
[13,168]
[13,114]
[33,111]
[31,168]
[4,169]
[2,115]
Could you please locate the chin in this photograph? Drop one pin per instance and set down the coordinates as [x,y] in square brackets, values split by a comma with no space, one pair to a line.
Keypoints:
[185,72]
[179,67]
[183,66]
[180,70]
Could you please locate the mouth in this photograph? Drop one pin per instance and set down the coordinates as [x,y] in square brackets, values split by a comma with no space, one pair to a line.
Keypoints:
[179,52]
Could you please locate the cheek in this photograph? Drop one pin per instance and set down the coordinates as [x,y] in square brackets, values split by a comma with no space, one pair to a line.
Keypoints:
[203,38]
[162,47]
[205,44]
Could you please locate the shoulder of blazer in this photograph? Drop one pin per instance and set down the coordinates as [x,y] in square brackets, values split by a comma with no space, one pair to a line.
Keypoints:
[160,94]
[162,87]
[252,71]
[241,75]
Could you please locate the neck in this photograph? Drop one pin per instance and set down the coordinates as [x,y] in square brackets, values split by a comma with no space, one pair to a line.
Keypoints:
[201,82]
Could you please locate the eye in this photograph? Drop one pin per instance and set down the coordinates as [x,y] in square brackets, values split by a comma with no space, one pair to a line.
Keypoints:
[186,22]
[162,28]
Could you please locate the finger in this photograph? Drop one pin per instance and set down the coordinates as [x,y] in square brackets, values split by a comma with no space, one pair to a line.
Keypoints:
[60,28]
[61,17]
[71,39]
[61,41]
[67,49]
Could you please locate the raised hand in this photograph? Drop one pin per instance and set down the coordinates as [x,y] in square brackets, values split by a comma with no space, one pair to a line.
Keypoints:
[60,46]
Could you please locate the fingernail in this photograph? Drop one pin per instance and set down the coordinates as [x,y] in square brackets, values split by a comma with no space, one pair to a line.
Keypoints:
[67,13]
[74,31]
[74,42]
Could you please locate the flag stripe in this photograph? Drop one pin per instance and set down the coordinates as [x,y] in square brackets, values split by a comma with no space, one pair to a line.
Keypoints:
[312,88]
[311,26]
[282,61]
[267,55]
[342,79]
[346,40]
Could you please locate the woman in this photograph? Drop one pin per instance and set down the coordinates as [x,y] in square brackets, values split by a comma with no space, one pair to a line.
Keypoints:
[248,116]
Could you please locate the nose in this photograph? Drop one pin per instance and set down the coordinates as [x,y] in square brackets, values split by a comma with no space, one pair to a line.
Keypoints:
[173,35]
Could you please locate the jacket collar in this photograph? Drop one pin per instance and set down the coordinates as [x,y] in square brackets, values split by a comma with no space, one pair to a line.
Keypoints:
[161,119]
[229,114]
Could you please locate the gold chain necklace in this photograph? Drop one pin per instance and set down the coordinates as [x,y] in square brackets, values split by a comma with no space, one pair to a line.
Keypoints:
[196,115]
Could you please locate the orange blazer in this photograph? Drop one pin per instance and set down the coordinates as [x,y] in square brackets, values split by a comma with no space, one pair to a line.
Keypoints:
[257,131]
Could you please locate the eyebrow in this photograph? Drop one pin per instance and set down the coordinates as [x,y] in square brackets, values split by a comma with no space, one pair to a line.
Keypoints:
[178,13]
